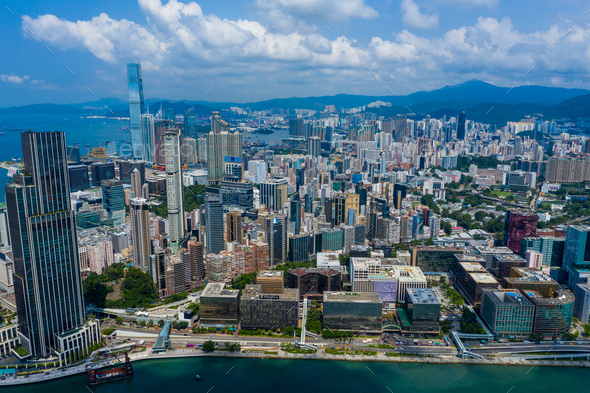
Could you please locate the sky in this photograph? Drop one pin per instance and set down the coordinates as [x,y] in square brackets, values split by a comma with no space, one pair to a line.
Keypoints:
[70,51]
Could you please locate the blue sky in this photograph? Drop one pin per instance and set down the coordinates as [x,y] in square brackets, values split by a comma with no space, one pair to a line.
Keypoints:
[284,48]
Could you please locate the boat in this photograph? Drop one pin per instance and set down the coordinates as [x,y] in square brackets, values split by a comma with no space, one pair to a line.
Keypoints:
[1,133]
[106,374]
[198,377]
[87,146]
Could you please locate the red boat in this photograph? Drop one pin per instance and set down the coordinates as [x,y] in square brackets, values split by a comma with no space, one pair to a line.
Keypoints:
[105,374]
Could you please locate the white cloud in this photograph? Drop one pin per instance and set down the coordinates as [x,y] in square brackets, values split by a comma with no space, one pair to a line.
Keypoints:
[185,51]
[414,18]
[13,78]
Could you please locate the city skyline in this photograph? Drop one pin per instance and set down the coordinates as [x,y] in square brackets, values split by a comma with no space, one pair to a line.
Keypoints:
[199,51]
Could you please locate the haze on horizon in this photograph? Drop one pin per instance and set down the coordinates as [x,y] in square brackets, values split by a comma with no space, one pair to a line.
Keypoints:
[252,50]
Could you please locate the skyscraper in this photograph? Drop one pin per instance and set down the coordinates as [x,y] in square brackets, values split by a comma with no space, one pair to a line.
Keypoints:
[276,237]
[174,187]
[461,126]
[234,227]
[214,225]
[148,137]
[519,223]
[220,143]
[113,200]
[296,127]
[295,212]
[140,233]
[136,183]
[273,193]
[47,281]
[195,249]
[314,146]
[136,107]
[576,255]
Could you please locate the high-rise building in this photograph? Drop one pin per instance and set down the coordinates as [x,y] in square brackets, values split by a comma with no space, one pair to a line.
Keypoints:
[190,151]
[113,200]
[234,227]
[221,143]
[195,249]
[314,146]
[79,179]
[100,171]
[296,127]
[276,237]
[174,187]
[4,229]
[140,233]
[47,280]
[126,167]
[214,225]
[273,193]
[148,137]
[136,107]
[519,223]
[402,131]
[257,171]
[576,255]
[399,193]
[137,184]
[190,122]
[461,126]
[295,212]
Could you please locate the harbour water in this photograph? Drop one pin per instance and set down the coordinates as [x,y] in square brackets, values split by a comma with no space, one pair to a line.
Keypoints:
[287,376]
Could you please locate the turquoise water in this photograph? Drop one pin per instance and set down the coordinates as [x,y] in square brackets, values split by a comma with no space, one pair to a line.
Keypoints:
[286,376]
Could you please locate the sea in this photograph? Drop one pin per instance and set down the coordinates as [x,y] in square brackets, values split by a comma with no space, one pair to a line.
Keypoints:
[78,129]
[287,376]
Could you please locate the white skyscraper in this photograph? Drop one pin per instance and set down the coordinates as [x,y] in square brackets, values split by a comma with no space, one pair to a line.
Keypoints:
[174,187]
[148,137]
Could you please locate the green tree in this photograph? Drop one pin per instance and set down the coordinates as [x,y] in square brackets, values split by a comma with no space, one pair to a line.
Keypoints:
[161,323]
[118,320]
[208,346]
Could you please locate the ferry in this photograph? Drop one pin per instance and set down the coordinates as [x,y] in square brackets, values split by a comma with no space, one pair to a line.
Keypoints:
[103,375]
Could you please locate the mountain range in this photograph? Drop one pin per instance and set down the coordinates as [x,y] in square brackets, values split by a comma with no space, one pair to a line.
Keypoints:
[481,101]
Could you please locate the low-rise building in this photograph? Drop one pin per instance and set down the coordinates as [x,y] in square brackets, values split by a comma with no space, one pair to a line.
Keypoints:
[434,259]
[219,306]
[423,310]
[313,282]
[352,311]
[263,310]
[476,282]
[270,281]
[553,315]
[508,313]
[531,279]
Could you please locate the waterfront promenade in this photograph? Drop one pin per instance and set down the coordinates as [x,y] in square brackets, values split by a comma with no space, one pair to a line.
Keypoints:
[276,353]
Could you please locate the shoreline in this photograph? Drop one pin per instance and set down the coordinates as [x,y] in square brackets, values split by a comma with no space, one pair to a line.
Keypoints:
[190,353]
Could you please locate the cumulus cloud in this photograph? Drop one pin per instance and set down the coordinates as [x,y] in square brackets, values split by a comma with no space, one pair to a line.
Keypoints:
[414,18]
[183,48]
[13,78]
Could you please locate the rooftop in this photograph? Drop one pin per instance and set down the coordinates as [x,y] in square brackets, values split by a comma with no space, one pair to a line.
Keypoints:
[351,297]
[472,267]
[559,297]
[217,289]
[469,258]
[483,278]
[510,258]
[507,297]
[493,250]
[254,292]
[270,274]
[422,296]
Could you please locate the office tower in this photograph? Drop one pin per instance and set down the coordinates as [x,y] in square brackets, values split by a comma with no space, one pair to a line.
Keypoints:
[517,146]
[113,200]
[328,210]
[136,184]
[518,224]
[195,249]
[140,233]
[448,132]
[174,187]
[399,193]
[233,169]
[214,225]
[79,179]
[4,229]
[295,212]
[190,123]
[169,114]
[189,150]
[273,193]
[296,127]
[234,227]
[401,128]
[148,137]
[257,170]
[74,154]
[158,270]
[136,107]
[314,146]
[220,144]
[576,255]
[276,237]
[47,280]
[100,171]
[127,166]
[461,126]
[309,201]
[161,127]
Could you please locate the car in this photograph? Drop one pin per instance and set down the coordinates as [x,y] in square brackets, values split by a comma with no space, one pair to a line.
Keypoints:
[186,334]
[255,344]
[571,343]
[538,342]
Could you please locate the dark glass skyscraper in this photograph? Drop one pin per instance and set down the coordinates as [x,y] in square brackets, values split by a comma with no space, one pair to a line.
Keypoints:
[295,212]
[47,281]
[214,225]
[461,126]
[136,106]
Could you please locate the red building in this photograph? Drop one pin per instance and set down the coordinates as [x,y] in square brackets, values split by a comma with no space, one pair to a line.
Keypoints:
[519,223]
